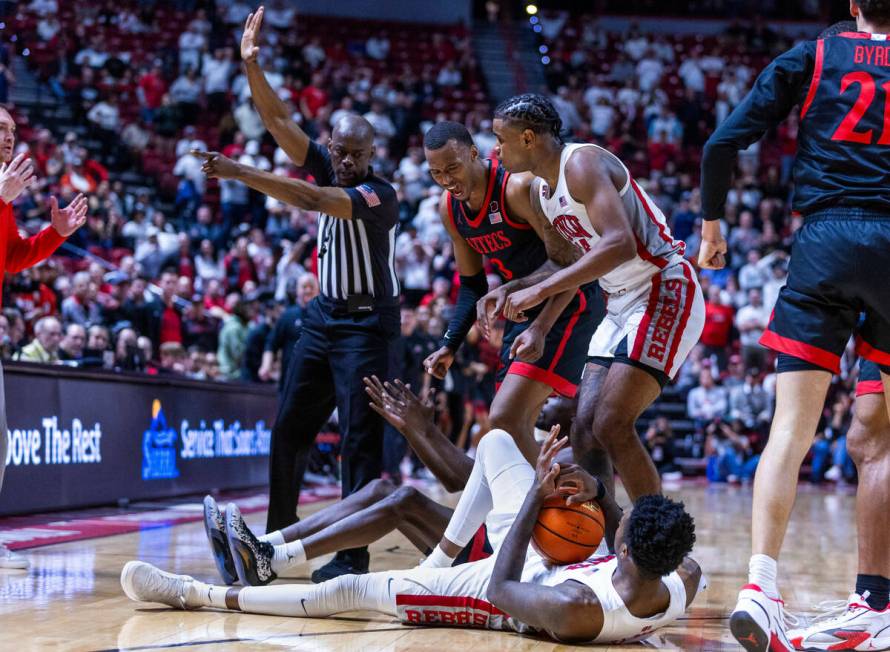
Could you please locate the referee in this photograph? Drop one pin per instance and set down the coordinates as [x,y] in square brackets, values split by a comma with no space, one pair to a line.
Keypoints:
[348,328]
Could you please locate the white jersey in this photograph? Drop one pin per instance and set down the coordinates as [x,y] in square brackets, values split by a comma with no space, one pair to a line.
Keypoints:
[457,596]
[656,247]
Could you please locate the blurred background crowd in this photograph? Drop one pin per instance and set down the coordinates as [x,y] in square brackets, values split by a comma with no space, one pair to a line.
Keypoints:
[175,275]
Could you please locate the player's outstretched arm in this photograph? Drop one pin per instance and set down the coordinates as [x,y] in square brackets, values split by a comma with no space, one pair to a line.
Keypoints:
[272,110]
[473,286]
[570,612]
[405,412]
[330,200]
[590,183]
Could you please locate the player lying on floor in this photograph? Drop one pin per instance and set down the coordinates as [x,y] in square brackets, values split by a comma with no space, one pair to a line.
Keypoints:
[371,513]
[611,599]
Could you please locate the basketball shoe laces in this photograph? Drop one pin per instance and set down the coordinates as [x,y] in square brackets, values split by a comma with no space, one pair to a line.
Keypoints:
[832,610]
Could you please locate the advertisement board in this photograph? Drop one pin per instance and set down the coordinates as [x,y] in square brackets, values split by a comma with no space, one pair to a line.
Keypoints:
[79,438]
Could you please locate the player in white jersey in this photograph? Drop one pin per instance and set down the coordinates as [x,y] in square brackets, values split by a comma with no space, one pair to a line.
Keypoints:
[611,599]
[655,310]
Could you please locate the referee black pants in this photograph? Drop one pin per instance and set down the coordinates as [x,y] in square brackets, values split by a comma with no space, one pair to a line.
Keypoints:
[334,352]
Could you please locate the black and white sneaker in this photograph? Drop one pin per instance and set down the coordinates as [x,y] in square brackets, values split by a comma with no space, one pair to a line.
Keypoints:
[252,557]
[215,527]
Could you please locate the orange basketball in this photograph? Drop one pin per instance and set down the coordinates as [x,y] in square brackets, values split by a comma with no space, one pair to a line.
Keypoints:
[567,534]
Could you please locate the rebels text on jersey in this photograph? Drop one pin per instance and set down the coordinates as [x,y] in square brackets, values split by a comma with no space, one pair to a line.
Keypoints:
[842,85]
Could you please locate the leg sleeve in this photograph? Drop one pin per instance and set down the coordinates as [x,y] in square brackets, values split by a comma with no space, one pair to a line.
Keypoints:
[373,592]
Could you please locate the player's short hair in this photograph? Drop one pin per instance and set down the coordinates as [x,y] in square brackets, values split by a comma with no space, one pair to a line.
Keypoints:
[531,111]
[660,533]
[440,133]
[875,10]
[839,28]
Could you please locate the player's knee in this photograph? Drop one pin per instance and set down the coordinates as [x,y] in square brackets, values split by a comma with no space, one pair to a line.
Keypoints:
[495,439]
[613,426]
[869,436]
[406,498]
[380,488]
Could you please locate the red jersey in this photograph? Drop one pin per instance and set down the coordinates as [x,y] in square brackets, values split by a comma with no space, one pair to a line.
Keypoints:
[17,253]
[718,324]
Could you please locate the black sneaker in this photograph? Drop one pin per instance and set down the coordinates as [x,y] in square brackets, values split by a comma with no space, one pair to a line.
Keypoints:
[252,557]
[215,527]
[346,562]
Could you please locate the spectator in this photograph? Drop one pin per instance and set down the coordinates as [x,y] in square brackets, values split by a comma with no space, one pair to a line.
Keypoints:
[169,326]
[751,321]
[80,307]
[718,326]
[151,91]
[191,44]
[659,441]
[281,15]
[708,401]
[186,93]
[232,340]
[72,346]
[749,402]
[731,456]
[172,359]
[45,346]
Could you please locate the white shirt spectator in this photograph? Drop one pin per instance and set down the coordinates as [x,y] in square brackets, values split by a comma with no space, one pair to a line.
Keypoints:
[185,145]
[190,46]
[712,65]
[314,54]
[692,74]
[706,403]
[90,57]
[449,76]
[249,121]
[485,142]
[757,318]
[105,115]
[593,94]
[189,166]
[552,23]
[44,7]
[649,73]
[216,73]
[636,47]
[186,90]
[382,124]
[602,116]
[233,192]
[281,16]
[47,28]
[568,112]
[377,47]
[238,13]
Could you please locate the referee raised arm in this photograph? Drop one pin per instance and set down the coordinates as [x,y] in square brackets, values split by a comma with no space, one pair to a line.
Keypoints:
[348,328]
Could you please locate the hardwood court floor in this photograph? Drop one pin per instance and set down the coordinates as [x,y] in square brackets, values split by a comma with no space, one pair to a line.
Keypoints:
[71,598]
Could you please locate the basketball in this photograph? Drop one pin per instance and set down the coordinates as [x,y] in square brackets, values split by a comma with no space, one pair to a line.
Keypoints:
[567,534]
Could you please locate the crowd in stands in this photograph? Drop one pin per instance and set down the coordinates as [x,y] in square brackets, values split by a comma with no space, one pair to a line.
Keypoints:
[177,275]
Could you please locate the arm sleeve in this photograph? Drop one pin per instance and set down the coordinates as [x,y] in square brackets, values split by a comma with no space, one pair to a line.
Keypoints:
[318,164]
[472,288]
[776,91]
[22,253]
[375,203]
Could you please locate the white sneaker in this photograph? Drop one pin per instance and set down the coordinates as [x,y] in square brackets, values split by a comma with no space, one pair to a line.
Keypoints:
[144,583]
[11,560]
[850,625]
[834,474]
[758,621]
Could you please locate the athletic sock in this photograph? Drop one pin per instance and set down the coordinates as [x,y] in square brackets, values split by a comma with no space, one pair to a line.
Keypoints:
[437,559]
[288,555]
[878,588]
[276,538]
[762,572]
[207,595]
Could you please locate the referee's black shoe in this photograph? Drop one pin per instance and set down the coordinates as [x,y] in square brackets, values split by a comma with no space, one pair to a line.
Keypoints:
[346,562]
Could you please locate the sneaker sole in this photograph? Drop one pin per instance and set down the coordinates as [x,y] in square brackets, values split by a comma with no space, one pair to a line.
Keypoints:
[219,547]
[246,573]
[748,633]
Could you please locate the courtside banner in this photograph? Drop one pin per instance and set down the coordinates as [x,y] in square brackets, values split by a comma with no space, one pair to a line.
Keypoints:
[79,438]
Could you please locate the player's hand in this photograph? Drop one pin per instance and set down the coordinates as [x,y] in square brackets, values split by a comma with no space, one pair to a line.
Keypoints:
[578,485]
[712,252]
[528,345]
[250,39]
[438,363]
[520,301]
[399,406]
[67,220]
[264,373]
[546,471]
[489,308]
[16,176]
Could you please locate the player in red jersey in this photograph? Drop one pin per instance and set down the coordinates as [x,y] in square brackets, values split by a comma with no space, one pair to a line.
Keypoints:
[841,81]
[16,253]
[491,215]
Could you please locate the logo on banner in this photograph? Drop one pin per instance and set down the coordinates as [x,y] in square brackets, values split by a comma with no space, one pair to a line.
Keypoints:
[159,447]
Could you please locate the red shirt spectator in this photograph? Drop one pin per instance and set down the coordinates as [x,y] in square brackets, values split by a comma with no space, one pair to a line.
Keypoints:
[313,97]
[718,321]
[153,88]
[171,325]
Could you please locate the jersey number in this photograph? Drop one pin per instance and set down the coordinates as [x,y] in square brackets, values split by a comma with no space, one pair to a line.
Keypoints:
[846,131]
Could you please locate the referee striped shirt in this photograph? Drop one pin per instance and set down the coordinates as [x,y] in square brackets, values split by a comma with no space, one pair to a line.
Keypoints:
[356,256]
